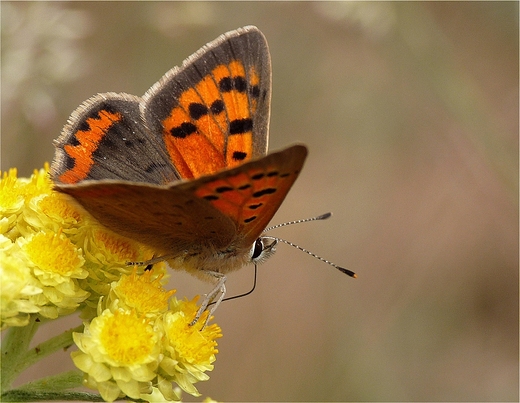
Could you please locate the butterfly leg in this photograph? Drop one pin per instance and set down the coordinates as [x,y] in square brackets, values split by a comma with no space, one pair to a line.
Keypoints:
[211,297]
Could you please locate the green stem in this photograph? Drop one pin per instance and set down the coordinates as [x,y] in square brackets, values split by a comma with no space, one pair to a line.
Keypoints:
[54,388]
[55,383]
[16,355]
[46,348]
[14,346]
[17,395]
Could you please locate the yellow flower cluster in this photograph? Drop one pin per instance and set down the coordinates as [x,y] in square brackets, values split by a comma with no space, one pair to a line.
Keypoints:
[63,258]
[55,259]
[40,266]
[138,344]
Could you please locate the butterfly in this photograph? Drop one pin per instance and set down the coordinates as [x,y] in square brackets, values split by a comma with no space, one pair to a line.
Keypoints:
[184,169]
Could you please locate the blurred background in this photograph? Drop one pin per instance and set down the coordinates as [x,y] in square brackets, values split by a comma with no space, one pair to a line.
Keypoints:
[410,112]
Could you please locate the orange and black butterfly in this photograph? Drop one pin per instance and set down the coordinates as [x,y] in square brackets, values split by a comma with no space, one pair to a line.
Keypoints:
[184,168]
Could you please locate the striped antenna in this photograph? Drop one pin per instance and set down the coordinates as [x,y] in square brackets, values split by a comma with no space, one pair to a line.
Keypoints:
[320,217]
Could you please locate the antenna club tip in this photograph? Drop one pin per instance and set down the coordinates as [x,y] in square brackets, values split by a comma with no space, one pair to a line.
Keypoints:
[324,216]
[347,272]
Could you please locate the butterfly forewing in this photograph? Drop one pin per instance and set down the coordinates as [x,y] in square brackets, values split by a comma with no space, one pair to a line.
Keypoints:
[252,193]
[215,212]
[171,220]
[210,114]
[213,111]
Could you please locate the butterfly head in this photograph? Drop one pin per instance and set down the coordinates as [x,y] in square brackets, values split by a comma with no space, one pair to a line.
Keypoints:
[263,249]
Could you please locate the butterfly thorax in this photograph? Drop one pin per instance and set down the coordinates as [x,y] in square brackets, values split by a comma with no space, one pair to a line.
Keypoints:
[209,259]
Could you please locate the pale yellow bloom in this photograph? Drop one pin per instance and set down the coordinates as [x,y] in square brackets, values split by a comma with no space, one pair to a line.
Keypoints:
[57,265]
[12,201]
[106,255]
[119,353]
[157,395]
[123,352]
[144,292]
[48,260]
[17,287]
[55,212]
[189,351]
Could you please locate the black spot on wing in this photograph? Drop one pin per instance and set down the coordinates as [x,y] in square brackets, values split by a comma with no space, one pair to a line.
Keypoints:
[225,84]
[184,130]
[248,220]
[217,106]
[197,110]
[240,83]
[223,189]
[266,191]
[69,162]
[239,155]
[84,127]
[239,126]
[254,91]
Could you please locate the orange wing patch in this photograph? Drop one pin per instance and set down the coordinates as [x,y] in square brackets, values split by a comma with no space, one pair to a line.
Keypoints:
[192,153]
[243,195]
[255,88]
[212,126]
[86,143]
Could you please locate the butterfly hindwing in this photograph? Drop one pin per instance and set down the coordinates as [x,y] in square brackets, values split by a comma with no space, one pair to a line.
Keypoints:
[106,139]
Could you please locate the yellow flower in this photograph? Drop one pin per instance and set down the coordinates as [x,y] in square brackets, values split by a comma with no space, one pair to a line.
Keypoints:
[123,352]
[17,287]
[189,351]
[106,255]
[19,203]
[55,258]
[57,265]
[158,397]
[119,353]
[12,202]
[144,292]
[81,262]
[54,211]
[11,193]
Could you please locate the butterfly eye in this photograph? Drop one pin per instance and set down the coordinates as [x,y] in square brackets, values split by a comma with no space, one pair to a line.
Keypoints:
[262,249]
[257,248]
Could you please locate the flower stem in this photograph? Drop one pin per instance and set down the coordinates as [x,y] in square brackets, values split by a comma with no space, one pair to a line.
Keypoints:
[53,388]
[14,348]
[18,395]
[48,347]
[55,383]
[17,356]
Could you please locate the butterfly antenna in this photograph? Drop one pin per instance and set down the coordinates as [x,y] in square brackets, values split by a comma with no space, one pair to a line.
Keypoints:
[341,269]
[320,217]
